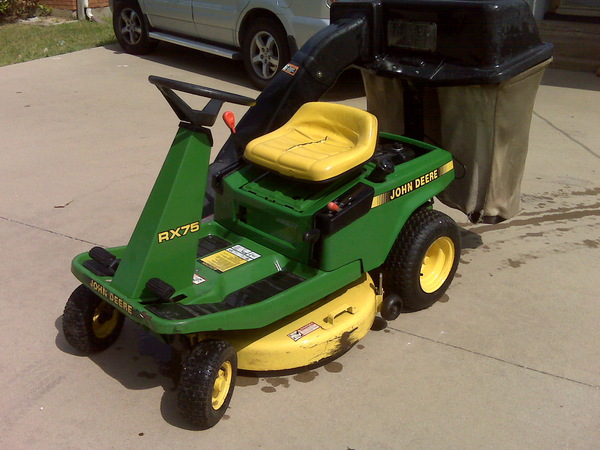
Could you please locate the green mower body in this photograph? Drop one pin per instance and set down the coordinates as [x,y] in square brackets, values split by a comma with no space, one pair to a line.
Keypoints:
[281,277]
[273,246]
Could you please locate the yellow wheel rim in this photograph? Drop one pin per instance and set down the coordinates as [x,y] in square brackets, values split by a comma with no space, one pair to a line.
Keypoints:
[437,264]
[104,321]
[222,385]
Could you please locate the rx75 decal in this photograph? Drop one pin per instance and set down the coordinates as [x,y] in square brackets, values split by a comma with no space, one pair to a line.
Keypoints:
[181,231]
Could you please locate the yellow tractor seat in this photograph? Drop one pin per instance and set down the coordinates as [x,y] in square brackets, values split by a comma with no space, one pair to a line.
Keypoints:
[320,142]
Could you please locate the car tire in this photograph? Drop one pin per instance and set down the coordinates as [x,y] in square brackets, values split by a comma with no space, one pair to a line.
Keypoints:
[423,260]
[265,51]
[131,28]
[90,325]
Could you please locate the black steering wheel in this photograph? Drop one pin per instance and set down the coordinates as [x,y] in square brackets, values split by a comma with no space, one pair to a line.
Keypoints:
[208,115]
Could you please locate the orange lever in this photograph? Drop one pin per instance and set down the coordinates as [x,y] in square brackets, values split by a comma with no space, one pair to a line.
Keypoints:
[229,119]
[331,206]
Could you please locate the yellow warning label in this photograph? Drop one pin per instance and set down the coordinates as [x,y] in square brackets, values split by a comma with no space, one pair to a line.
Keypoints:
[230,258]
[223,261]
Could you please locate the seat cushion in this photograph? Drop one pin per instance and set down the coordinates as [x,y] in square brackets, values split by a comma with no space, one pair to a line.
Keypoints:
[321,141]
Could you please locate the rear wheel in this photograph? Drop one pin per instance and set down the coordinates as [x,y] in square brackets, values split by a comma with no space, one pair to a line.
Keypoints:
[90,325]
[207,382]
[265,51]
[423,260]
[131,28]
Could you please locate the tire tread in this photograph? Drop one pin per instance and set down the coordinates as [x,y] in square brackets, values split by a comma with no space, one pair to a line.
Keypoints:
[77,322]
[402,266]
[194,396]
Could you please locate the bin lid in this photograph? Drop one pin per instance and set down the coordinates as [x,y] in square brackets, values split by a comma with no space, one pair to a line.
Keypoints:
[450,42]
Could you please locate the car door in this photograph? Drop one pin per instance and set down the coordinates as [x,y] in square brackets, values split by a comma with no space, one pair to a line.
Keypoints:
[308,17]
[170,15]
[216,20]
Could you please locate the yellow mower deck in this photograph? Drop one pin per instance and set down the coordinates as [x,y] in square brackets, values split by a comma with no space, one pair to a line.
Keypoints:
[313,335]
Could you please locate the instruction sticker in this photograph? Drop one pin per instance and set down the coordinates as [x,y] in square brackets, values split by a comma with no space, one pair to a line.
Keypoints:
[306,329]
[229,258]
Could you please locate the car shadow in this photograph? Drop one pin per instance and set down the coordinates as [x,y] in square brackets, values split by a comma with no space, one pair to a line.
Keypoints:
[194,61]
[348,85]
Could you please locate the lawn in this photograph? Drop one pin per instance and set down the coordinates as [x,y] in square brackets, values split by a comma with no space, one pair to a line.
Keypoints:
[22,42]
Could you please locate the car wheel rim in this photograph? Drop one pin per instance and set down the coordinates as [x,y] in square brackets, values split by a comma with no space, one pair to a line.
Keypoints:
[437,264]
[264,55]
[222,385]
[104,321]
[131,26]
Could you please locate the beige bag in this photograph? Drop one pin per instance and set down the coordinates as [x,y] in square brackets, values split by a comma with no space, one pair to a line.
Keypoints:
[485,127]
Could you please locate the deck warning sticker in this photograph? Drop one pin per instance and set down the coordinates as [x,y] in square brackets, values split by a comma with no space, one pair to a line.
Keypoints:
[229,258]
[197,279]
[306,329]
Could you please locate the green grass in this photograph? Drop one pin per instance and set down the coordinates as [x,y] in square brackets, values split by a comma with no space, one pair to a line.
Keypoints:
[25,42]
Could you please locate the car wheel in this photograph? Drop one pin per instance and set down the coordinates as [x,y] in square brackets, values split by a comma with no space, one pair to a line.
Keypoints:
[265,51]
[90,325]
[423,260]
[207,382]
[131,28]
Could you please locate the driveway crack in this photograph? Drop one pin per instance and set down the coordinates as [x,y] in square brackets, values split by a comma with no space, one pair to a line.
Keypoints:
[568,136]
[495,358]
[56,233]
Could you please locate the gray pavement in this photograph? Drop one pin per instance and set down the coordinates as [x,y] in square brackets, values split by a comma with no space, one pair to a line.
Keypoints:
[510,359]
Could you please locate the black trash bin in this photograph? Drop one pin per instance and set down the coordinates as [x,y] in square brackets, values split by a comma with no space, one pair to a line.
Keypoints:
[463,74]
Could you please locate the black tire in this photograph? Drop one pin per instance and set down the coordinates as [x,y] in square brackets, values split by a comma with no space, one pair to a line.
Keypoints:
[207,382]
[423,260]
[90,325]
[265,51]
[131,28]
[391,307]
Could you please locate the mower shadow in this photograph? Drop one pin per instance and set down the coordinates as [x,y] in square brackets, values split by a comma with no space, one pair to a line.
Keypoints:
[139,361]
[469,239]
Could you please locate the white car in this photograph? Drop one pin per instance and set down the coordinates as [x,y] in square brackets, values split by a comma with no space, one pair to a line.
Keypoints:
[262,33]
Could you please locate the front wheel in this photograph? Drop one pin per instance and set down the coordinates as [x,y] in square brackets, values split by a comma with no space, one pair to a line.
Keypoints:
[265,51]
[423,259]
[207,382]
[131,28]
[90,325]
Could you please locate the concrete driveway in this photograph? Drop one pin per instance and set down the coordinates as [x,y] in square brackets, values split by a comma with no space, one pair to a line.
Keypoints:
[510,359]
